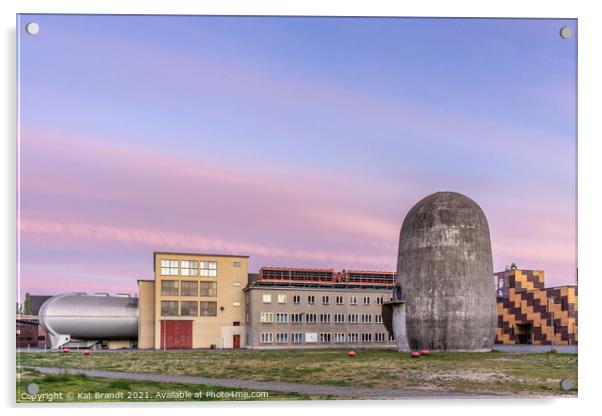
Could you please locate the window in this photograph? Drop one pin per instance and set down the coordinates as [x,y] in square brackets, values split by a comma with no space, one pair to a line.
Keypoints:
[325,300]
[310,318]
[324,318]
[190,288]
[353,300]
[379,300]
[188,308]
[208,288]
[236,304]
[340,337]
[281,298]
[366,300]
[267,317]
[378,318]
[379,337]
[235,264]
[296,337]
[366,318]
[267,298]
[236,323]
[296,318]
[502,286]
[266,337]
[339,318]
[391,338]
[169,308]
[281,337]
[281,317]
[352,337]
[311,299]
[324,337]
[208,308]
[352,318]
[189,268]
[366,337]
[169,267]
[340,300]
[296,299]
[209,268]
[169,288]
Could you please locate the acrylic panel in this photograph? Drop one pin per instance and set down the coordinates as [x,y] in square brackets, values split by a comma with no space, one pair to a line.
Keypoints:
[302,208]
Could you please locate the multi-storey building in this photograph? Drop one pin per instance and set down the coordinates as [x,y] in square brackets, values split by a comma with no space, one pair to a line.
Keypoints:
[316,308]
[530,313]
[211,301]
[195,301]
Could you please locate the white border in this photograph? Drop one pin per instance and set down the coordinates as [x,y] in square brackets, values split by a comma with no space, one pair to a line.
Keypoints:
[589,172]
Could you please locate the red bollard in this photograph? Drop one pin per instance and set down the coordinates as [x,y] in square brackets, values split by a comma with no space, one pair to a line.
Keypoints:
[66,350]
[86,352]
[415,354]
[424,352]
[351,353]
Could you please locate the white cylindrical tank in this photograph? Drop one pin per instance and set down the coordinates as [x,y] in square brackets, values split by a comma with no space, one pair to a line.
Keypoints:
[91,317]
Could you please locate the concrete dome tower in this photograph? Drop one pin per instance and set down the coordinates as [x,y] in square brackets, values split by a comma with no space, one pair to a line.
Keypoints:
[445,273]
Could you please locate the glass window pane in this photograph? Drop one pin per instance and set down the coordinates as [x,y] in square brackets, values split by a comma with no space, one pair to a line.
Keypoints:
[188,308]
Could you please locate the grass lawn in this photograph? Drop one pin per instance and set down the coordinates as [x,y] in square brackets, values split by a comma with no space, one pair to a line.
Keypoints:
[80,388]
[491,372]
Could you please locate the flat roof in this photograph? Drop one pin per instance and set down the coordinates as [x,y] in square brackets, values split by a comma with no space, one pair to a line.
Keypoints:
[336,287]
[561,286]
[520,270]
[200,254]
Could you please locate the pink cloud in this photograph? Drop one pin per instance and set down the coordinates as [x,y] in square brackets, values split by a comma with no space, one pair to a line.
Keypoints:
[292,201]
[125,196]
[67,231]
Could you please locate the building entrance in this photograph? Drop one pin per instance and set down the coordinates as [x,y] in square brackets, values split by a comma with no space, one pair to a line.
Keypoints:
[523,333]
[176,334]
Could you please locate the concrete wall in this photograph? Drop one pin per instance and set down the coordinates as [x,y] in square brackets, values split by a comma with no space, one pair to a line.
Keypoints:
[445,269]
[255,306]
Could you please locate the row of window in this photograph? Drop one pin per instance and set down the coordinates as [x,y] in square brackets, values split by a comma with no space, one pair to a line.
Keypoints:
[188,308]
[325,299]
[190,268]
[323,318]
[188,288]
[323,337]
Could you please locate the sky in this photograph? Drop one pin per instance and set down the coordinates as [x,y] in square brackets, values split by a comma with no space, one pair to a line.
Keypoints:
[298,141]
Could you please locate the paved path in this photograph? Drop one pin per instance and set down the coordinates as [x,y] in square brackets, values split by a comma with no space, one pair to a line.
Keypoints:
[310,389]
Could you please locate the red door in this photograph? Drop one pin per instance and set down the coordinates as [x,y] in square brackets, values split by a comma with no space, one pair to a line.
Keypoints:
[236,341]
[176,334]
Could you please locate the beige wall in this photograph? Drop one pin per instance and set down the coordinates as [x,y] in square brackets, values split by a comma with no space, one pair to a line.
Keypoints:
[146,314]
[119,344]
[208,330]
